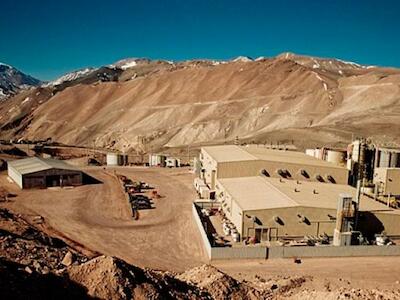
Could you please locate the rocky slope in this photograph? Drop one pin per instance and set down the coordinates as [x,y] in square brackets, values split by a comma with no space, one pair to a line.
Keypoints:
[35,265]
[154,104]
[13,81]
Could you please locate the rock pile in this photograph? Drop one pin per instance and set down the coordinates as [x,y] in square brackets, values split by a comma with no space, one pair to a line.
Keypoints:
[33,249]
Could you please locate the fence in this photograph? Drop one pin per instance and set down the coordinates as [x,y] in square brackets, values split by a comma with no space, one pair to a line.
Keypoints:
[332,251]
[203,234]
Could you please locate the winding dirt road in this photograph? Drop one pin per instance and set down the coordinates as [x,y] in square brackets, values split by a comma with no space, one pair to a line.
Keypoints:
[98,217]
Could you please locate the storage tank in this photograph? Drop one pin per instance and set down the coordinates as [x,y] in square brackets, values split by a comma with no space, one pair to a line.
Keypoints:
[157,160]
[394,159]
[123,159]
[384,159]
[355,151]
[318,153]
[112,159]
[336,156]
[310,152]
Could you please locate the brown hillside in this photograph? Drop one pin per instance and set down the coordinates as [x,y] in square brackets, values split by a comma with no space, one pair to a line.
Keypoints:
[282,99]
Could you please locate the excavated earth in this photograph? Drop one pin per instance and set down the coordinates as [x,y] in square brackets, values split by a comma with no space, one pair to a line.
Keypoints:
[37,265]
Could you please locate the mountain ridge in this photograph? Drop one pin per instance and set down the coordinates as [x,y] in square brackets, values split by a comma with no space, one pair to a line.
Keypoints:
[156,104]
[12,81]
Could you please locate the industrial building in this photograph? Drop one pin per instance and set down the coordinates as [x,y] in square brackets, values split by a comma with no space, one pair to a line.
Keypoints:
[273,208]
[271,195]
[36,172]
[232,161]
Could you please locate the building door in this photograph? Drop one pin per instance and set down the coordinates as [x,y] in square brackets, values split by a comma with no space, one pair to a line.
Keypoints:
[53,180]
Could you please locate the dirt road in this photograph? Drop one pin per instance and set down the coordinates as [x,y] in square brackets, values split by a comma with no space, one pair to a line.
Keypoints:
[98,217]
[166,237]
[354,272]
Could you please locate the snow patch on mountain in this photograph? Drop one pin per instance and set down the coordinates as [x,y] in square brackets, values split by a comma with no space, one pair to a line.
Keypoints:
[12,81]
[127,63]
[70,77]
[2,95]
[349,63]
[242,59]
[260,58]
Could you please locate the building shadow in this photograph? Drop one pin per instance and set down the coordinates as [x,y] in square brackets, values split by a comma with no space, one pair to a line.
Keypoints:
[87,179]
[369,225]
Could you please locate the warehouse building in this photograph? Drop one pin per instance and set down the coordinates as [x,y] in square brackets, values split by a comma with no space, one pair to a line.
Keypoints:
[274,208]
[36,172]
[231,161]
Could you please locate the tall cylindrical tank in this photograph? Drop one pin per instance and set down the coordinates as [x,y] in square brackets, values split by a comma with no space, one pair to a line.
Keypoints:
[355,155]
[112,159]
[318,153]
[394,159]
[122,159]
[157,160]
[336,157]
[310,152]
[384,159]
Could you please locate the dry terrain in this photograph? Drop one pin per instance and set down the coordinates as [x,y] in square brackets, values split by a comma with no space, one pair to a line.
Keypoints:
[99,217]
[311,101]
[81,242]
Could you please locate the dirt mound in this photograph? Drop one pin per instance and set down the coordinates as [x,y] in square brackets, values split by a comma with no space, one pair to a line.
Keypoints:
[26,245]
[219,285]
[111,278]
[17,283]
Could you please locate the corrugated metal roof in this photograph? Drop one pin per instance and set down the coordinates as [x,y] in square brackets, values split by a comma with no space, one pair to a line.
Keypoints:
[37,164]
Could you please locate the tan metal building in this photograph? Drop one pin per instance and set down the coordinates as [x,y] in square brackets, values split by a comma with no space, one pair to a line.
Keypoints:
[387,180]
[37,172]
[231,161]
[273,208]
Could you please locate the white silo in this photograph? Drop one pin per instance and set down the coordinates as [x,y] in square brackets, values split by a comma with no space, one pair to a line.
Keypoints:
[112,159]
[336,156]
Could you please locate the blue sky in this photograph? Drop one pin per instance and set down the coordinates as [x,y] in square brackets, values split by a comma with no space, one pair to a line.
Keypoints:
[48,38]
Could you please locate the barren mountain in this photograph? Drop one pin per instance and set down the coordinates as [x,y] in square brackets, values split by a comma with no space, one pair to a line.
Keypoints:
[163,104]
[13,81]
